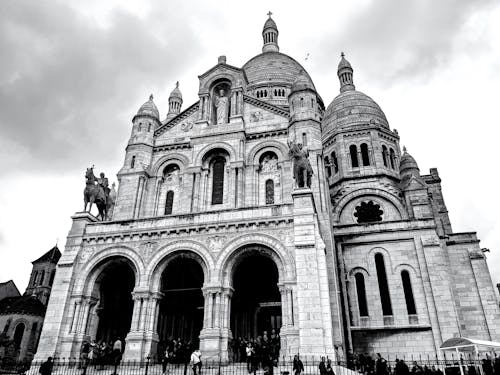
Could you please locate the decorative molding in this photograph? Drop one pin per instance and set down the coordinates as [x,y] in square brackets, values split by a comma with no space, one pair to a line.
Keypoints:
[262,104]
[177,119]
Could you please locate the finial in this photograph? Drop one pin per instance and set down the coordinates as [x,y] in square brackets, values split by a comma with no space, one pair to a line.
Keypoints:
[151,97]
[404,148]
[57,241]
[269,14]
[177,84]
[342,55]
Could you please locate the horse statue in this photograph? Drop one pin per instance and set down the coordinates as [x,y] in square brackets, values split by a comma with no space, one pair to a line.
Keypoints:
[94,192]
[302,170]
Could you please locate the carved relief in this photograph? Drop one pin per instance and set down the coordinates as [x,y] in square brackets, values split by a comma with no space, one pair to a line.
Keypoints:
[256,116]
[269,164]
[147,249]
[187,126]
[86,253]
[215,243]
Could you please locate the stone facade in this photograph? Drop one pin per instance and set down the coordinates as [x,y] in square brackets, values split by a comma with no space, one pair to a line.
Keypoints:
[196,187]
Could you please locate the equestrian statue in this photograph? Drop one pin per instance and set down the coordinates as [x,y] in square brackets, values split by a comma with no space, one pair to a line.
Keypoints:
[97,191]
[302,170]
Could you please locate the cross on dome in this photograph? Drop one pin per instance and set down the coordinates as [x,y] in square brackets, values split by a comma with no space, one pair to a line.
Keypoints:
[269,14]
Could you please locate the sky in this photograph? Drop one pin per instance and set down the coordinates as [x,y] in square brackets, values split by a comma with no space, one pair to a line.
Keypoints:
[73,74]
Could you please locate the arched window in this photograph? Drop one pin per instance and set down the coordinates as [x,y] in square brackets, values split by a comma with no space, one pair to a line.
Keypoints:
[52,275]
[410,301]
[393,159]
[218,180]
[353,150]
[269,191]
[169,203]
[18,335]
[384,155]
[335,162]
[368,212]
[361,290]
[34,279]
[364,154]
[42,277]
[275,92]
[383,286]
[328,167]
[132,162]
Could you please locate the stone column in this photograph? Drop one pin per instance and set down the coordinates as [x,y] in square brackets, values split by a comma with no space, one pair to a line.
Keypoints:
[76,314]
[151,323]
[196,196]
[211,339]
[284,306]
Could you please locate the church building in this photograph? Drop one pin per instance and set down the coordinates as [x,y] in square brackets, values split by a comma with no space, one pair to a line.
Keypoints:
[257,208]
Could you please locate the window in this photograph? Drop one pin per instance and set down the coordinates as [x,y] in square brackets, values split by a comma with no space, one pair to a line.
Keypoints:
[384,155]
[383,287]
[353,150]
[410,301]
[7,326]
[393,159]
[269,191]
[52,275]
[42,277]
[34,280]
[335,163]
[18,335]
[328,167]
[218,180]
[169,203]
[368,212]
[364,154]
[132,163]
[361,290]
[304,139]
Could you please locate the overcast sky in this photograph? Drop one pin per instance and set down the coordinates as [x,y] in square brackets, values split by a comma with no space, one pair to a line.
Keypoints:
[73,74]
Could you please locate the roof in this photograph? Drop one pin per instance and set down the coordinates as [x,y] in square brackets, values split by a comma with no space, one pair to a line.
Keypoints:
[270,24]
[52,256]
[464,343]
[149,109]
[29,305]
[274,68]
[8,289]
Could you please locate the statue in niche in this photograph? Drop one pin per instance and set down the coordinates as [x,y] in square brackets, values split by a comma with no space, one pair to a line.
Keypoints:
[269,164]
[302,170]
[221,106]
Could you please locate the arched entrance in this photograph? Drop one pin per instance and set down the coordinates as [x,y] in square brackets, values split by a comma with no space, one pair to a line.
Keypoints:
[115,285]
[180,316]
[256,301]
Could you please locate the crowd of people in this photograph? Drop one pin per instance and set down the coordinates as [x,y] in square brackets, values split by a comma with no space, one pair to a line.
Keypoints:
[261,352]
[101,353]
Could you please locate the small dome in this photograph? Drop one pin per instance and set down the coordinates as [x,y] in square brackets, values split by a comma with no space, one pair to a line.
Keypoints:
[176,93]
[301,83]
[149,109]
[407,164]
[351,108]
[343,64]
[270,24]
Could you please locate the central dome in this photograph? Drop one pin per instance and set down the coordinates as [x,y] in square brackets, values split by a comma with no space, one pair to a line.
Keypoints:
[275,68]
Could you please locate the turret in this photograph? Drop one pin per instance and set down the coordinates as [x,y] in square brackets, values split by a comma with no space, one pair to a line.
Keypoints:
[132,176]
[270,35]
[344,72]
[42,275]
[174,102]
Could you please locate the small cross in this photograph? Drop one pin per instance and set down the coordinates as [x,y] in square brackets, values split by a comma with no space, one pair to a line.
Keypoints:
[269,14]
[342,54]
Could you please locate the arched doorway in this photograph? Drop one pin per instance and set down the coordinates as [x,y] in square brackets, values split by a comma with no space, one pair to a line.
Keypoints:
[115,285]
[256,301]
[180,316]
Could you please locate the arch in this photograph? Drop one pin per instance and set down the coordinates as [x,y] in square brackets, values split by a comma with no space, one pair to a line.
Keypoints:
[42,277]
[358,269]
[385,155]
[270,247]
[218,171]
[335,162]
[328,167]
[392,158]
[346,199]
[365,156]
[97,263]
[361,293]
[213,146]
[169,203]
[172,158]
[256,151]
[383,284]
[269,191]
[159,262]
[408,292]
[19,334]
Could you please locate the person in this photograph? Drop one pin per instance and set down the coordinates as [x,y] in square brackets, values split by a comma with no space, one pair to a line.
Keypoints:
[329,368]
[380,365]
[249,353]
[46,367]
[84,355]
[401,368]
[117,351]
[322,366]
[298,366]
[416,369]
[196,362]
[103,183]
[221,107]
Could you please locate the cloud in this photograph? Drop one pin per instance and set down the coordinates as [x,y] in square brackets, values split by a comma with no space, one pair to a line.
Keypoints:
[394,39]
[64,72]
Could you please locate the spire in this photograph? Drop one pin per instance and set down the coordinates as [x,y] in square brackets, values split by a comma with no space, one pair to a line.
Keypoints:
[344,72]
[270,35]
[174,102]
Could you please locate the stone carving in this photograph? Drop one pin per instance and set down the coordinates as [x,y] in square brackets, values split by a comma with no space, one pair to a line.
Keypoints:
[187,126]
[256,116]
[302,170]
[215,242]
[86,253]
[148,249]
[221,102]
[269,164]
